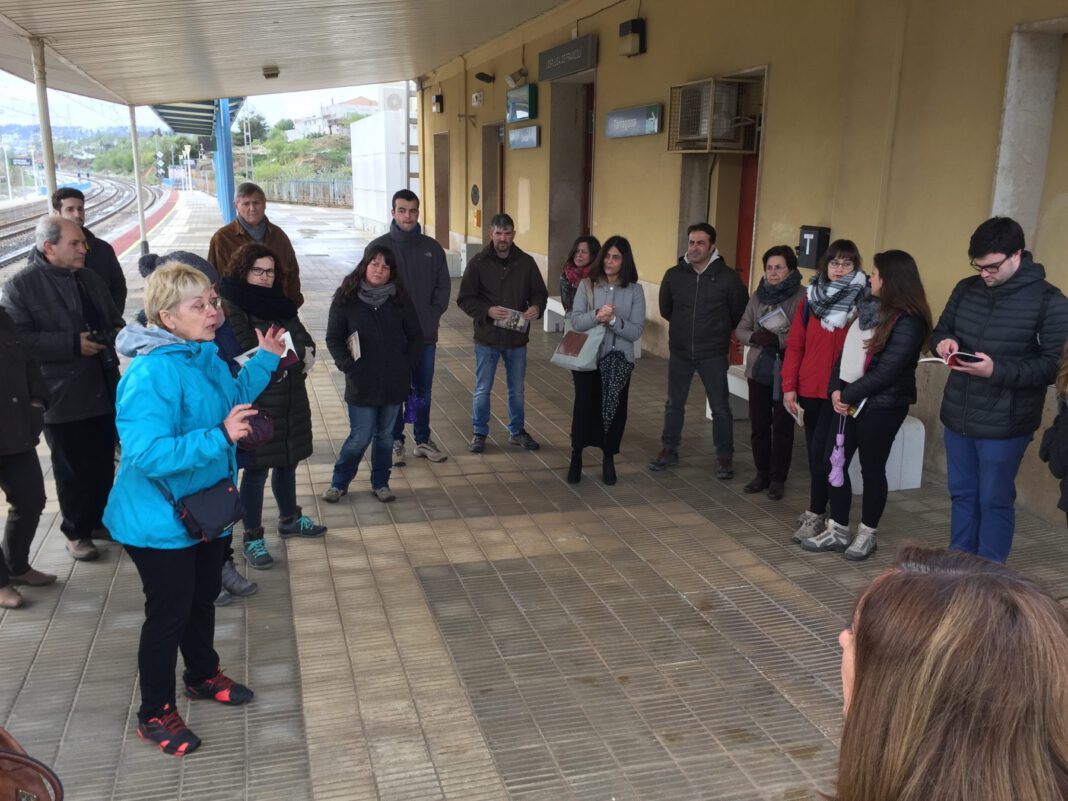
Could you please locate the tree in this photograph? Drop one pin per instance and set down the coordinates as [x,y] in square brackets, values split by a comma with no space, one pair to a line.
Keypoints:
[284,124]
[257,126]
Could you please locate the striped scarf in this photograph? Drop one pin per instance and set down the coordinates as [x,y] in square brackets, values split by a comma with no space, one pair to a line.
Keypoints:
[833,302]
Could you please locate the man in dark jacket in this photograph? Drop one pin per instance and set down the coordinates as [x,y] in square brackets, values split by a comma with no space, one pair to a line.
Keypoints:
[502,291]
[68,320]
[1015,323]
[425,275]
[703,300]
[69,203]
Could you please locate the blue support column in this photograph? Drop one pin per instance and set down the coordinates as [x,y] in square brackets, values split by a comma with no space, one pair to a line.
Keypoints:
[224,161]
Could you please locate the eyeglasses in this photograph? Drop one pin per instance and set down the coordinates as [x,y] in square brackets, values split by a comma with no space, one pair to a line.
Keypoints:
[202,308]
[842,263]
[988,268]
[259,272]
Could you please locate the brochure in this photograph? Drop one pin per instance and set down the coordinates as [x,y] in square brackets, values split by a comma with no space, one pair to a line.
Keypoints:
[775,321]
[289,355]
[960,357]
[514,321]
[353,342]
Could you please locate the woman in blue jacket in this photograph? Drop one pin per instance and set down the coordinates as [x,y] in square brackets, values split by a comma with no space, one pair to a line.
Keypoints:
[179,412]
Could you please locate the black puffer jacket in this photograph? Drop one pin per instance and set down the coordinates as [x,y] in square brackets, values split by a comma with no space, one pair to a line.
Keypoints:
[1004,323]
[390,344]
[286,397]
[890,380]
[702,309]
[25,395]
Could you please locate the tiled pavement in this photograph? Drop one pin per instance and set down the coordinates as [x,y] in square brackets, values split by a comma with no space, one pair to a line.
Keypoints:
[493,634]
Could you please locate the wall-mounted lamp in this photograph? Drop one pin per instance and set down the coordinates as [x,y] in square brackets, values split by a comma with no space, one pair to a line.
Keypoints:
[632,37]
[517,78]
[270,72]
[437,103]
[485,77]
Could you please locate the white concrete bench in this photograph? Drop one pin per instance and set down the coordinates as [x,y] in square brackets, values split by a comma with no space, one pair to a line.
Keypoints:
[553,320]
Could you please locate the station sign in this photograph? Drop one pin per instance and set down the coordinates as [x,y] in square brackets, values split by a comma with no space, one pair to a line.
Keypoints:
[577,55]
[637,121]
[21,161]
[524,138]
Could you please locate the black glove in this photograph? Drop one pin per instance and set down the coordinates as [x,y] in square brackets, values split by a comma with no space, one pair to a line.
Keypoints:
[764,339]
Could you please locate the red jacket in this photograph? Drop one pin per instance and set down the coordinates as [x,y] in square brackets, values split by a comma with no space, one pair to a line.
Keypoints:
[811,351]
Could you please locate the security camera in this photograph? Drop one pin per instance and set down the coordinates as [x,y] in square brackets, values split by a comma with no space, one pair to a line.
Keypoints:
[485,77]
[517,78]
[270,72]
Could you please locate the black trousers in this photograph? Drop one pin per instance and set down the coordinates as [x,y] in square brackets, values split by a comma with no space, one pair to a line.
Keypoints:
[713,373]
[820,419]
[771,433]
[180,587]
[83,466]
[872,432]
[23,484]
[587,422]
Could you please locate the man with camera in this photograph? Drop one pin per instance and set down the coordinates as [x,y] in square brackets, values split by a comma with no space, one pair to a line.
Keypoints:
[67,319]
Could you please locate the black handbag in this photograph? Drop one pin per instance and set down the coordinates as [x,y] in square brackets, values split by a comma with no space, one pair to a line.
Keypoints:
[209,512]
[767,370]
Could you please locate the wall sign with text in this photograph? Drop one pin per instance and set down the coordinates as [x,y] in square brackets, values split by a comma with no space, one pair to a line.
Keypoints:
[529,136]
[637,121]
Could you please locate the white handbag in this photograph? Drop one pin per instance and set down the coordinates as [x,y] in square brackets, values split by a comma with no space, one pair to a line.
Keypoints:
[578,350]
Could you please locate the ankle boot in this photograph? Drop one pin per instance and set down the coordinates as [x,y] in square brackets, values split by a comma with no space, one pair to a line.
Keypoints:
[574,470]
[608,470]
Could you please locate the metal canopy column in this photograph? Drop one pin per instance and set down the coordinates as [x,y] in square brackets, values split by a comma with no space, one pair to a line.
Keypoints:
[137,180]
[224,161]
[37,47]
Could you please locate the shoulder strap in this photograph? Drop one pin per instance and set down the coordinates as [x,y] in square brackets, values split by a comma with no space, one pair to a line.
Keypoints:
[588,284]
[804,312]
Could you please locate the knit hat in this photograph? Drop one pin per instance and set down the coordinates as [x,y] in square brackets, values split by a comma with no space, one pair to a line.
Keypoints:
[148,263]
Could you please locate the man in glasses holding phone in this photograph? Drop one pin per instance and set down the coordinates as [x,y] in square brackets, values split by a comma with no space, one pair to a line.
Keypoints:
[1015,322]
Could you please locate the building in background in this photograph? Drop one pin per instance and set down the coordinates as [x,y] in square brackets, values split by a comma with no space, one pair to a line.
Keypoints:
[384,157]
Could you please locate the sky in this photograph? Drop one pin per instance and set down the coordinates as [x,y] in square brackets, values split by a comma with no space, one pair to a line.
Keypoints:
[18,105]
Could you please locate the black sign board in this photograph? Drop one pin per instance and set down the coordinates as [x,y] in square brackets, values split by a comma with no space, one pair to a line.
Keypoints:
[637,121]
[567,59]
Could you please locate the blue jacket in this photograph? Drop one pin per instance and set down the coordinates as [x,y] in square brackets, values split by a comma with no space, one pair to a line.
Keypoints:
[169,412]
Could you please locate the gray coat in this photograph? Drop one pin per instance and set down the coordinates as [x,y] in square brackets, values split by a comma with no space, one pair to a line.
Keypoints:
[629,304]
[46,307]
[424,273]
[748,325]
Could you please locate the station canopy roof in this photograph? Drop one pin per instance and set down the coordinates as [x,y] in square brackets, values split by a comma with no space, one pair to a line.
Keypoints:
[196,117]
[152,52]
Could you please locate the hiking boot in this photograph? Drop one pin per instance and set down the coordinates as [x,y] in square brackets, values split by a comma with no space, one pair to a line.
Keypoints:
[863,545]
[33,578]
[299,525]
[758,484]
[477,444]
[169,732]
[835,537]
[398,453]
[224,598]
[428,450]
[810,524]
[82,550]
[668,457]
[384,494]
[220,688]
[333,494]
[724,469]
[236,584]
[524,441]
[775,490]
[256,550]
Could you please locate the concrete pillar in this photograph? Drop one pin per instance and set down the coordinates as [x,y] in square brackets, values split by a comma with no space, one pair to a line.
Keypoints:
[37,48]
[137,180]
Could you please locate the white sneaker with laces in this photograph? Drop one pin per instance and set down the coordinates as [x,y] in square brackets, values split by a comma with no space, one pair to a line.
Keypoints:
[398,453]
[835,537]
[428,450]
[863,545]
[810,524]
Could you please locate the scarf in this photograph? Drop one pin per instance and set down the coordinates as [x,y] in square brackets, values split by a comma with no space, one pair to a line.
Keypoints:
[375,296]
[868,308]
[773,295]
[257,232]
[267,303]
[832,302]
[575,274]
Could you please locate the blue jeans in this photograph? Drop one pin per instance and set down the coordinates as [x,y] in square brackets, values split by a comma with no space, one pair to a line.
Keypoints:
[982,484]
[367,423]
[515,367]
[283,485]
[422,380]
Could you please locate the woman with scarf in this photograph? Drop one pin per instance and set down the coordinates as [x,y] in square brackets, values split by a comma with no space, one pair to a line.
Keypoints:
[610,297]
[764,326]
[877,367]
[251,290]
[576,268]
[812,347]
[373,335]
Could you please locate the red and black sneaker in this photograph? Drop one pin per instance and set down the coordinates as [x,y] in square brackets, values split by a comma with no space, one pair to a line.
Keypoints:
[220,688]
[169,732]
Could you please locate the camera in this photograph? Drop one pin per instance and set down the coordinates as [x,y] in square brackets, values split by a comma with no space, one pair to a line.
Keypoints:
[109,359]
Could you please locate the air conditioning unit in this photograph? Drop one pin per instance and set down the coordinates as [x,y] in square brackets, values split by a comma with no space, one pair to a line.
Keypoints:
[393,101]
[717,115]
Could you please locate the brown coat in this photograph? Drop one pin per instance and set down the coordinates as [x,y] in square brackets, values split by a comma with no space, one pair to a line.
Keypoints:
[226,241]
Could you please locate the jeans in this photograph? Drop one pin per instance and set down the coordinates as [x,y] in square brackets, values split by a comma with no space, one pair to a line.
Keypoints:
[367,423]
[713,373]
[515,366]
[83,466]
[22,483]
[771,433]
[180,586]
[283,485]
[422,381]
[819,420]
[982,485]
[872,433]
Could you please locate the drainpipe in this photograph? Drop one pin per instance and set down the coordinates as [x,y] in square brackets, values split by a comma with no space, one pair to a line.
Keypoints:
[463,123]
[37,47]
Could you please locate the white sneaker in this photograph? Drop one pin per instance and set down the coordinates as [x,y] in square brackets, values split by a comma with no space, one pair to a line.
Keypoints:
[428,450]
[810,524]
[384,494]
[863,545]
[398,453]
[835,537]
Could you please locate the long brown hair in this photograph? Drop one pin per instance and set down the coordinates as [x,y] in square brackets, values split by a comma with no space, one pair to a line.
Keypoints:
[1062,374]
[960,686]
[901,293]
[350,284]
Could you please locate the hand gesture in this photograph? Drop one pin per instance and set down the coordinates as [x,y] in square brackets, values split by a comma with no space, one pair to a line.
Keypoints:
[789,400]
[498,313]
[531,313]
[88,347]
[984,368]
[947,347]
[236,423]
[836,401]
[605,313]
[273,341]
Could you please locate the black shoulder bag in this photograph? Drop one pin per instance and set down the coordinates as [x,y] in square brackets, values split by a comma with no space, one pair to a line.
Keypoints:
[211,511]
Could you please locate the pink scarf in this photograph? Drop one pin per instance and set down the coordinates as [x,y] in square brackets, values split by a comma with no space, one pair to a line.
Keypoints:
[575,274]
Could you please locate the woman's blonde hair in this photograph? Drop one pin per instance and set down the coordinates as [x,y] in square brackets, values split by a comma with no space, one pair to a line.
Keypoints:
[960,686]
[170,284]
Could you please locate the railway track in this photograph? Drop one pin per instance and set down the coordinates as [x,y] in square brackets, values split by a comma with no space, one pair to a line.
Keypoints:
[109,197]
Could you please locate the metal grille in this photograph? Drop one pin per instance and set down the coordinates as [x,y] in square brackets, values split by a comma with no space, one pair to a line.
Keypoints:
[712,116]
[690,117]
